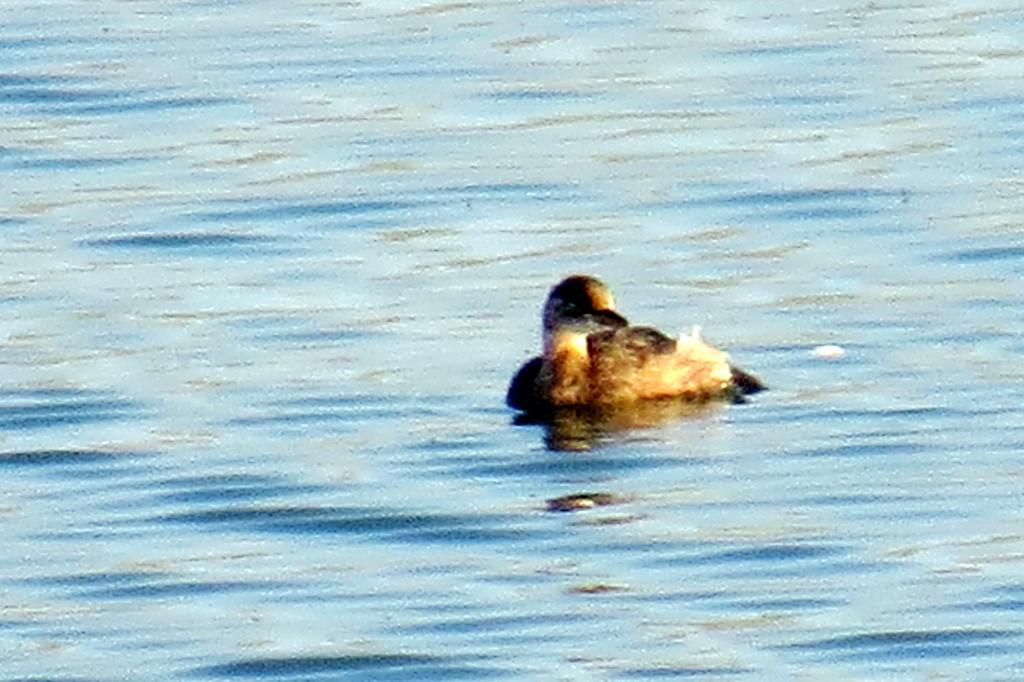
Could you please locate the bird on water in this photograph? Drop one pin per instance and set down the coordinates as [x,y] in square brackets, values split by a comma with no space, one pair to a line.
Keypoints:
[593,358]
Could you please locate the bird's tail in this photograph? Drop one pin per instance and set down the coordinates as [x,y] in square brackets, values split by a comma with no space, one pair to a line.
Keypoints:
[745,382]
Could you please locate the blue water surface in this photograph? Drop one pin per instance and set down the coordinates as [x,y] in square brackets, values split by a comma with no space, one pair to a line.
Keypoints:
[266,270]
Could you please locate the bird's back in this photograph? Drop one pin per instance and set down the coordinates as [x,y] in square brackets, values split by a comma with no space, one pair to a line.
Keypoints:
[640,363]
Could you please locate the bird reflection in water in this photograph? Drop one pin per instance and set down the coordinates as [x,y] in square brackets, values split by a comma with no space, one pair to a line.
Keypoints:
[598,374]
[576,429]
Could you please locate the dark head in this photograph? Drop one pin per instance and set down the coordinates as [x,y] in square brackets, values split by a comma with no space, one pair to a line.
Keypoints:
[580,298]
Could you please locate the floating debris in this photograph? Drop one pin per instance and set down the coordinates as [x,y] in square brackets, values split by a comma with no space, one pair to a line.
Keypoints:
[596,588]
[582,501]
[828,352]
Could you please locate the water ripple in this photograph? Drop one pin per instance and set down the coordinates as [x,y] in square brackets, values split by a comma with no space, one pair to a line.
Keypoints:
[561,466]
[56,458]
[395,524]
[75,163]
[216,243]
[988,254]
[489,624]
[782,554]
[405,665]
[915,644]
[682,672]
[286,210]
[41,409]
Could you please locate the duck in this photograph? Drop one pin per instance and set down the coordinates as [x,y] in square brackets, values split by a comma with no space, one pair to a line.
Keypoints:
[594,358]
